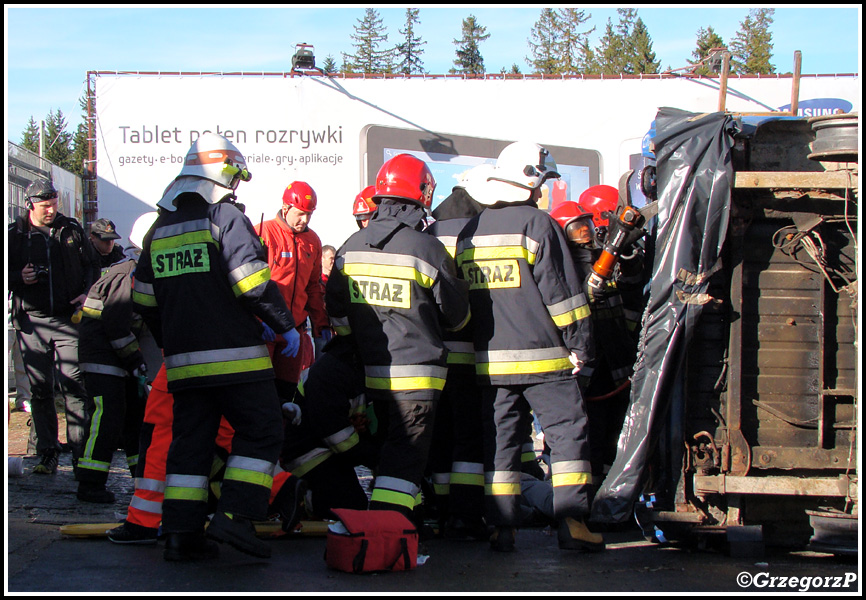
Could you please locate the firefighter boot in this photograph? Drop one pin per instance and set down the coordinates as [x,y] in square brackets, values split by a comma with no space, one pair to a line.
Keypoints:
[574,535]
[94,492]
[238,532]
[189,546]
[290,502]
[502,539]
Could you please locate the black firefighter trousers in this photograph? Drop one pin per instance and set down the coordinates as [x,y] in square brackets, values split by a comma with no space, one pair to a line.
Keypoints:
[253,410]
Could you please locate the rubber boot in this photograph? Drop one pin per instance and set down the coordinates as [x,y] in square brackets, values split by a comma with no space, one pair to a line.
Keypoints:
[574,535]
[239,533]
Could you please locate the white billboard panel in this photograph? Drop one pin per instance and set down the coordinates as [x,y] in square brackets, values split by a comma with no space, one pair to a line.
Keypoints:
[315,129]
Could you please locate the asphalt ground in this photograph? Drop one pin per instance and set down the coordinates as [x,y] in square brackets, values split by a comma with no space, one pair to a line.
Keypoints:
[39,559]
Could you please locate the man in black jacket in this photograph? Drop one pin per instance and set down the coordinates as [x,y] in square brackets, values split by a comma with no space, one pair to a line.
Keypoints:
[51,267]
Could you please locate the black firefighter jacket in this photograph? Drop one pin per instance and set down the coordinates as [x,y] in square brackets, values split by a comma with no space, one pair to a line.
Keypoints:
[528,305]
[395,288]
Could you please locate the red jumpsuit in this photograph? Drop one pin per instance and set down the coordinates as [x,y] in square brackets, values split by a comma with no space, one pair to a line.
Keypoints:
[295,260]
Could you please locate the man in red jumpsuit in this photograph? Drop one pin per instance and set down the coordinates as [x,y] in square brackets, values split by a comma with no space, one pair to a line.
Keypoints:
[295,259]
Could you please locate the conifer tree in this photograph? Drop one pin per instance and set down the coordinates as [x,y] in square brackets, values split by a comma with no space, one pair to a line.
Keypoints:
[575,55]
[370,34]
[644,59]
[707,40]
[469,59]
[752,46]
[30,136]
[410,51]
[57,140]
[544,43]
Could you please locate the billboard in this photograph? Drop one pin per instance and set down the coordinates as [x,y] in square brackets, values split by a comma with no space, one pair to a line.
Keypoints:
[335,133]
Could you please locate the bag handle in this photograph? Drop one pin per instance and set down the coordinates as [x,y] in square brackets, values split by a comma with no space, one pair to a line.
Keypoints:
[358,561]
[404,554]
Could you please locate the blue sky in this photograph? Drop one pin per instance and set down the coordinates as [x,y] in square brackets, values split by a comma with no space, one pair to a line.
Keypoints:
[49,49]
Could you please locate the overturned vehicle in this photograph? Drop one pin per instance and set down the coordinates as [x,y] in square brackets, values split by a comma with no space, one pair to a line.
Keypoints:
[743,413]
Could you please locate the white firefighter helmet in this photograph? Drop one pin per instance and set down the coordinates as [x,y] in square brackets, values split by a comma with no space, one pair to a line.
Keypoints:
[521,168]
[474,181]
[213,167]
[140,228]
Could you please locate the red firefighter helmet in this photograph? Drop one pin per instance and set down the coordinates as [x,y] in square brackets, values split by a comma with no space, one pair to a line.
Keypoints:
[572,218]
[364,205]
[597,200]
[406,178]
[300,195]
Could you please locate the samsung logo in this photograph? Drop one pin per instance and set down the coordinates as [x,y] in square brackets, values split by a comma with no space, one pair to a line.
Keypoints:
[818,107]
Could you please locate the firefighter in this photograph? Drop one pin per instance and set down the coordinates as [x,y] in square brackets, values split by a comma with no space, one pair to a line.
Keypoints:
[144,514]
[395,288]
[295,259]
[603,202]
[114,370]
[531,336]
[605,381]
[333,430]
[364,207]
[201,281]
[457,452]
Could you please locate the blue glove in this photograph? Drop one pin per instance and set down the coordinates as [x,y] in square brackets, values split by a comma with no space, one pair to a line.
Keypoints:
[268,334]
[327,334]
[293,343]
[292,412]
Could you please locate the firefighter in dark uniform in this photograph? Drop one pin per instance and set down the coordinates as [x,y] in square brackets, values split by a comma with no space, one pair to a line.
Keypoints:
[532,335]
[202,279]
[332,432]
[114,370]
[102,236]
[395,288]
[457,452]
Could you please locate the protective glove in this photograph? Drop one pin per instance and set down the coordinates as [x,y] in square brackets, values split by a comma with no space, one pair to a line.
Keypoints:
[268,334]
[140,374]
[578,364]
[327,334]
[293,343]
[292,412]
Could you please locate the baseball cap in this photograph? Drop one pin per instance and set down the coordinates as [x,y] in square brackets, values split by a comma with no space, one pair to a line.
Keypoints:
[104,230]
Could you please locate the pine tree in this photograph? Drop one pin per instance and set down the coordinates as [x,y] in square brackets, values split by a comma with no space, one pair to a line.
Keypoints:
[610,55]
[330,65]
[642,45]
[752,46]
[369,36]
[625,30]
[58,140]
[79,142]
[410,50]
[30,136]
[544,43]
[469,59]
[707,40]
[575,56]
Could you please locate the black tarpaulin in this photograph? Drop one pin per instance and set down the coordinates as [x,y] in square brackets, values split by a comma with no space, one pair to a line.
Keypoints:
[695,176]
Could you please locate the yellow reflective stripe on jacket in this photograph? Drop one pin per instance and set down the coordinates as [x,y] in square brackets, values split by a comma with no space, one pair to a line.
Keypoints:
[170,237]
[406,377]
[249,276]
[217,362]
[502,483]
[186,487]
[341,325]
[383,264]
[521,362]
[569,311]
[491,247]
[250,470]
[143,294]
[125,346]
